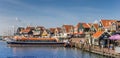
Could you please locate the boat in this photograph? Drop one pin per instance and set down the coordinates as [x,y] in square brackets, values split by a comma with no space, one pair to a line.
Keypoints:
[32,41]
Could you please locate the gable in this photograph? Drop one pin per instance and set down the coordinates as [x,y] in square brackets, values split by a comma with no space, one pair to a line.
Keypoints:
[107,23]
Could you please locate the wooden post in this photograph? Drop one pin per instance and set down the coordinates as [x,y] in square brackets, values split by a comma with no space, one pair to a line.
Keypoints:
[103,51]
[108,47]
[90,45]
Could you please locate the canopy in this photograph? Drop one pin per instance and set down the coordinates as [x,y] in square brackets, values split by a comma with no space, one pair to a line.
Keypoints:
[115,37]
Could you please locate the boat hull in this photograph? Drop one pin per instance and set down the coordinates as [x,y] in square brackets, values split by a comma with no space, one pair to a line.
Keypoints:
[35,43]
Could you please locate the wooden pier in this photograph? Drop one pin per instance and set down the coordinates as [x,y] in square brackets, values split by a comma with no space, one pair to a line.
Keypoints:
[94,49]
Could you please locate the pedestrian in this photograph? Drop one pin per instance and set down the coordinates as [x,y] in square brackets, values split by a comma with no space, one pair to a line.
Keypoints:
[111,46]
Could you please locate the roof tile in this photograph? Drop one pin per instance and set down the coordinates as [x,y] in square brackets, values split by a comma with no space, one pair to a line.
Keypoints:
[97,34]
[107,23]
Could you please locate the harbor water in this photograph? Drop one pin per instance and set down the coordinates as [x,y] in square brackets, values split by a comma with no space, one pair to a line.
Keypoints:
[43,52]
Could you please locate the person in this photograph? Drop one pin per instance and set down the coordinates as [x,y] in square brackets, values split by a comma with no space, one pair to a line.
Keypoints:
[111,46]
[102,44]
[81,44]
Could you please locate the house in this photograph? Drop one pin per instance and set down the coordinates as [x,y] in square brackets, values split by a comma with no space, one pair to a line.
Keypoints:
[38,31]
[19,29]
[69,29]
[103,30]
[92,30]
[101,38]
[52,31]
[107,25]
[58,31]
[96,36]
[27,31]
[94,27]
[45,33]
[118,26]
[81,28]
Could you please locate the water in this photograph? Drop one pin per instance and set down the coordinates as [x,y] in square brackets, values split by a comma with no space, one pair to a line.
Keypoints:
[43,52]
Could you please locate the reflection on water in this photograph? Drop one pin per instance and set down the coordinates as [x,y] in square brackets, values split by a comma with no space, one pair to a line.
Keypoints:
[43,52]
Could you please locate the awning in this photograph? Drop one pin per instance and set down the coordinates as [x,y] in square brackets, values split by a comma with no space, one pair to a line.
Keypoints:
[97,34]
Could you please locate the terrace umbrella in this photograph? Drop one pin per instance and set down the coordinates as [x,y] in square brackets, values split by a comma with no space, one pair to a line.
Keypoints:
[112,37]
[115,37]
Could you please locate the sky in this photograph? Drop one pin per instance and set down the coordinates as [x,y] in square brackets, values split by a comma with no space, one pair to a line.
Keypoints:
[54,13]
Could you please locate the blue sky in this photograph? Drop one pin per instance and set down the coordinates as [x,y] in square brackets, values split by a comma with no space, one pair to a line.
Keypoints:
[55,13]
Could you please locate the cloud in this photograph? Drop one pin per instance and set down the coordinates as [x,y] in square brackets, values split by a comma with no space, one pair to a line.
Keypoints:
[48,15]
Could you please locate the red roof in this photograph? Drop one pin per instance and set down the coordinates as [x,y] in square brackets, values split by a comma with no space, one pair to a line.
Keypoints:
[90,24]
[68,27]
[30,27]
[59,29]
[85,25]
[96,26]
[25,31]
[107,23]
[97,34]
[52,29]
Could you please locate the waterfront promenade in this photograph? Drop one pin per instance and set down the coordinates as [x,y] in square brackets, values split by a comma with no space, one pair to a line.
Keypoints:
[94,49]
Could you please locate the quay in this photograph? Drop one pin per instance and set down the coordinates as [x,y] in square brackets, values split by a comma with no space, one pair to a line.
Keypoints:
[75,42]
